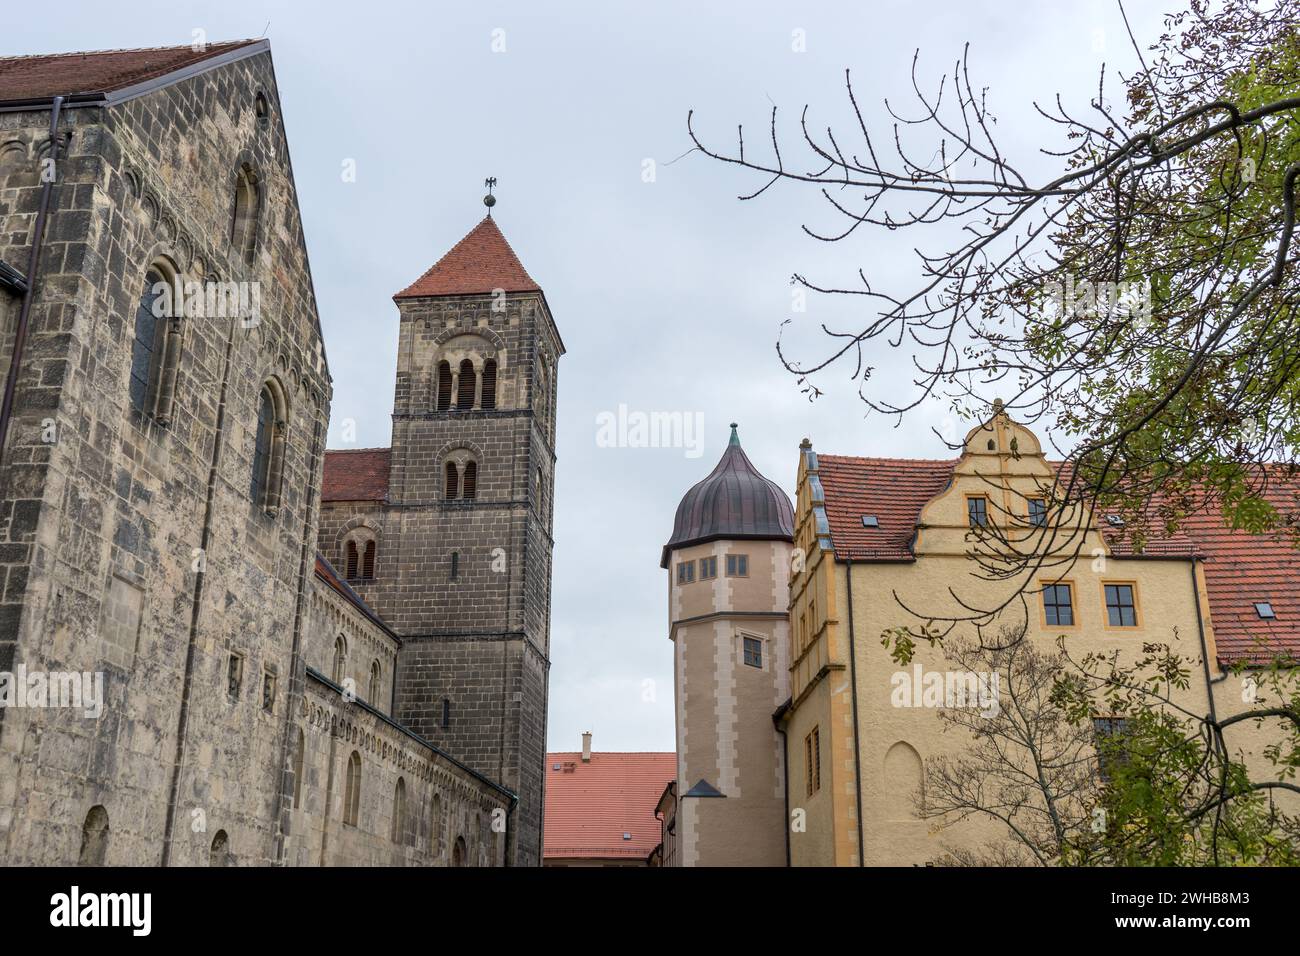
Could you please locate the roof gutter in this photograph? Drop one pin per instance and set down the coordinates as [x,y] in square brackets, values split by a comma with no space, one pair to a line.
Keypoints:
[33,262]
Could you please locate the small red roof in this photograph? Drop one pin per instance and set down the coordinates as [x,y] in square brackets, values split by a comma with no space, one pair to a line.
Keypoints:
[355,474]
[100,71]
[589,806]
[479,264]
[1241,568]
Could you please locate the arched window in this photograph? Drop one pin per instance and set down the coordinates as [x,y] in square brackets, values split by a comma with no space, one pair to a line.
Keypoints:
[489,399]
[465,390]
[340,660]
[458,852]
[451,484]
[435,825]
[156,346]
[298,765]
[368,561]
[352,791]
[248,207]
[444,386]
[268,448]
[376,682]
[904,782]
[350,565]
[94,838]
[469,487]
[399,811]
[219,855]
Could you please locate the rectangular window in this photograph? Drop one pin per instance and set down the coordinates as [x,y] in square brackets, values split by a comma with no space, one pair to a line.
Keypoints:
[1120,608]
[977,508]
[1058,605]
[813,761]
[268,693]
[753,652]
[234,675]
[1037,512]
[685,572]
[737,565]
[708,568]
[1109,733]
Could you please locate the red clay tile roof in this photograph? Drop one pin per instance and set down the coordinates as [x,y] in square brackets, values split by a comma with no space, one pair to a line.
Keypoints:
[589,806]
[100,71]
[355,474]
[1240,568]
[892,489]
[479,264]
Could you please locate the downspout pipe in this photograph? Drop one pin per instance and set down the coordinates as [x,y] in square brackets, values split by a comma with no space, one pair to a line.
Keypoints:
[853,684]
[1205,650]
[33,262]
[778,721]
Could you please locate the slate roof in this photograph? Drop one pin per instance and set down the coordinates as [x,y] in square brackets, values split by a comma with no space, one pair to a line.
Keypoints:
[355,474]
[734,501]
[589,806]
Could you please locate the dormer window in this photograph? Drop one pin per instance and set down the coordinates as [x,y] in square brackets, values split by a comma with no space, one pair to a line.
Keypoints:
[1265,610]
[870,521]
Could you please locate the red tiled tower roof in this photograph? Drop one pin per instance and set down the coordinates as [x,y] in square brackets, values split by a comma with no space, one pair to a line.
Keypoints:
[355,474]
[99,71]
[1241,568]
[589,806]
[479,264]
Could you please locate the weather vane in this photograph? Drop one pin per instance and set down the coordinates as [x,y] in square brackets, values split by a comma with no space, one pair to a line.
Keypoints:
[489,200]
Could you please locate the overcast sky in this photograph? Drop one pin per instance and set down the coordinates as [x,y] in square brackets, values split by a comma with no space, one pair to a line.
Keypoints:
[669,293]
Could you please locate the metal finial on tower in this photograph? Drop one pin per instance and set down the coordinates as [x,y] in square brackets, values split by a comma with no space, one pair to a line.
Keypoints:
[489,200]
[735,438]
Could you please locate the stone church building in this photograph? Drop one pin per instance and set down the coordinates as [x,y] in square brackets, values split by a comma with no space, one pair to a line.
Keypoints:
[220,644]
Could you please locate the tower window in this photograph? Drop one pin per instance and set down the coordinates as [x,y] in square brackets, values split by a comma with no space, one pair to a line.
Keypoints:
[737,565]
[455,564]
[350,563]
[368,561]
[489,399]
[444,386]
[469,487]
[753,650]
[465,392]
[708,568]
[812,754]
[685,572]
[451,483]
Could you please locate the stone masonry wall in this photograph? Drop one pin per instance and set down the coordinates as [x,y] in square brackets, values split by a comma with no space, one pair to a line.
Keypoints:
[103,525]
